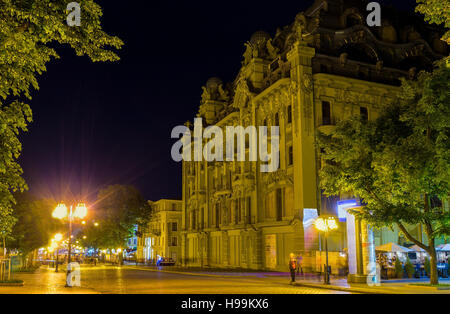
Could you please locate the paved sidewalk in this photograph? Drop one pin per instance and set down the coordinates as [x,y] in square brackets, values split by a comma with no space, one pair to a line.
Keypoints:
[386,287]
[404,286]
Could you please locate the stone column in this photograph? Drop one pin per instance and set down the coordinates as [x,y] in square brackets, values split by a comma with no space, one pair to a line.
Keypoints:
[361,248]
[303,129]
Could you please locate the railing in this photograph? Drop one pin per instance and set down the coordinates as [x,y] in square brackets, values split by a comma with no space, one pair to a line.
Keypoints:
[277,70]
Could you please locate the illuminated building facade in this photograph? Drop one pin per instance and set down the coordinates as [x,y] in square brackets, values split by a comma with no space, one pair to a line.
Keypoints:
[161,238]
[326,66]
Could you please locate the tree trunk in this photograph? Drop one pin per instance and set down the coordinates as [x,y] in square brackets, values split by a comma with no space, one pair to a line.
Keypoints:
[4,247]
[434,278]
[430,249]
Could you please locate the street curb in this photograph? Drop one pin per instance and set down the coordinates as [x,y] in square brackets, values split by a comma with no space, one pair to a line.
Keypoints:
[430,287]
[15,284]
[337,288]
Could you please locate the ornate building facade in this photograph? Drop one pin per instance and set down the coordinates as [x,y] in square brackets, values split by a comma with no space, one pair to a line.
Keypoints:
[325,66]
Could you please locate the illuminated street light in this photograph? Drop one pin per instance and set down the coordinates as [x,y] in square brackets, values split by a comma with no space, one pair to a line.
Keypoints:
[58,237]
[326,224]
[61,212]
[55,244]
[80,211]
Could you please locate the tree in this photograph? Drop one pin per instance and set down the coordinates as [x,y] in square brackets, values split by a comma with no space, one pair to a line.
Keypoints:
[29,30]
[118,210]
[399,164]
[35,225]
[7,221]
[437,12]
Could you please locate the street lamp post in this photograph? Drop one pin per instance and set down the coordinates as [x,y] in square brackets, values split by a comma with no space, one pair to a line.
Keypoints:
[61,212]
[325,225]
[58,237]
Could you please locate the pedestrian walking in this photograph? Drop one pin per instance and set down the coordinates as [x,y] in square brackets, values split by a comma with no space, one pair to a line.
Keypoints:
[299,264]
[292,266]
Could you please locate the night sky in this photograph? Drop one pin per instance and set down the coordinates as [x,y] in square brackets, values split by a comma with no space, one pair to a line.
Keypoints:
[97,124]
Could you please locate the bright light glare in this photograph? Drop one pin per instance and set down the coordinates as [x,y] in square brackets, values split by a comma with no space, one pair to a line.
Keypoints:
[58,237]
[80,211]
[326,224]
[60,211]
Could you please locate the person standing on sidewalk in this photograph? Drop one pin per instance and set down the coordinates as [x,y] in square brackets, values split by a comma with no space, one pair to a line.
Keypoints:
[299,264]
[292,266]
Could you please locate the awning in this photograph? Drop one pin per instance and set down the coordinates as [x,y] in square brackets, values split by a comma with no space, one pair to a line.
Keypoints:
[392,247]
[444,247]
[417,248]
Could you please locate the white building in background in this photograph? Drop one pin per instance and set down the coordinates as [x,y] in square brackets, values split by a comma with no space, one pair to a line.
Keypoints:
[161,237]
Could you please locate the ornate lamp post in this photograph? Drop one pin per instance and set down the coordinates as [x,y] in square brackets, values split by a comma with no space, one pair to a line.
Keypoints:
[55,244]
[326,224]
[61,212]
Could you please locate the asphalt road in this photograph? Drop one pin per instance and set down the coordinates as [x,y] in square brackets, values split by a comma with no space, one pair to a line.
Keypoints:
[114,280]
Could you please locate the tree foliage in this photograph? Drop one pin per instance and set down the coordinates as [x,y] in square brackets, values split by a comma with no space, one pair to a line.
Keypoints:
[119,208]
[29,31]
[35,225]
[398,164]
[437,12]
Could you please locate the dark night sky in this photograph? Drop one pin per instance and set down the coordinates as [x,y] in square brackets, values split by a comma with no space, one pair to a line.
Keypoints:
[98,124]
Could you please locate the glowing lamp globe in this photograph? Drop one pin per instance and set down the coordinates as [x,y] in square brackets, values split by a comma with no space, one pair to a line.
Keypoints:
[58,237]
[80,211]
[326,224]
[60,211]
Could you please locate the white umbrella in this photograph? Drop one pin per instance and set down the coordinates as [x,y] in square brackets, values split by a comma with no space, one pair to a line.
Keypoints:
[392,247]
[417,248]
[444,247]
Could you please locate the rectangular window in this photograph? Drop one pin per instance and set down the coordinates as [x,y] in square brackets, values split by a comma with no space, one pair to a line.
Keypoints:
[217,215]
[364,113]
[326,113]
[239,210]
[174,241]
[174,226]
[290,156]
[289,114]
[249,210]
[279,204]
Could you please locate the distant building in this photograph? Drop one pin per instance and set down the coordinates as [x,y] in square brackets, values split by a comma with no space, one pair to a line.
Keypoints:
[161,238]
[326,66]
[132,242]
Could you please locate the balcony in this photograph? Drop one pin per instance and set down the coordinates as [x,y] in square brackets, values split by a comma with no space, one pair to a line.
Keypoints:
[327,125]
[278,70]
